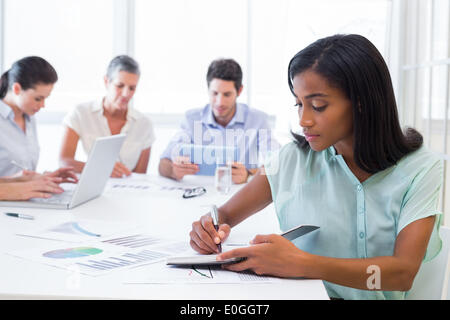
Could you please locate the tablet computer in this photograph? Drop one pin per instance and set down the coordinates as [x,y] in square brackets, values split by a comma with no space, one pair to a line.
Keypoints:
[210,259]
[207,157]
[199,260]
[298,231]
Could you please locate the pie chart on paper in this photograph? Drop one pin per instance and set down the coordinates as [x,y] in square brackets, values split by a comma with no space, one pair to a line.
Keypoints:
[72,253]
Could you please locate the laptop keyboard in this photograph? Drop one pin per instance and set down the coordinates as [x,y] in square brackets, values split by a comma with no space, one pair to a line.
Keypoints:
[62,198]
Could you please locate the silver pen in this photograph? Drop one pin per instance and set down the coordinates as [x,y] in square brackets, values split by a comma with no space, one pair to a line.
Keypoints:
[215,217]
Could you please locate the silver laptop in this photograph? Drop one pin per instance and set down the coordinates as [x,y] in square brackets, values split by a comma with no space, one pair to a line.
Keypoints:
[93,179]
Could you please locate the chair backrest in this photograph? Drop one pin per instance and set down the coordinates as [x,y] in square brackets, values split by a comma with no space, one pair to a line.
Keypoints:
[431,282]
[446,288]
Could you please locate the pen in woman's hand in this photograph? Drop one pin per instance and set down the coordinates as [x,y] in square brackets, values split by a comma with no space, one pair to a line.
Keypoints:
[215,217]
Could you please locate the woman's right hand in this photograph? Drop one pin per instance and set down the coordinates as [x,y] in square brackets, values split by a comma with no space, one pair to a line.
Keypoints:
[205,238]
[43,187]
[120,171]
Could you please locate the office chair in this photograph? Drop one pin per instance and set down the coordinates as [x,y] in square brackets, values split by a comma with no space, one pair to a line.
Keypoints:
[431,282]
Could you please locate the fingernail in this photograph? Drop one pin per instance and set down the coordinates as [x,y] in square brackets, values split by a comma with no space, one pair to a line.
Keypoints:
[217,240]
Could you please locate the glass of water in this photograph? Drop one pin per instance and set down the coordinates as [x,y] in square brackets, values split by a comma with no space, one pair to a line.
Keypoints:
[222,178]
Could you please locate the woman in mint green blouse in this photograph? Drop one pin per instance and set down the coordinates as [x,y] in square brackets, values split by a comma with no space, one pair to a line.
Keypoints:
[371,188]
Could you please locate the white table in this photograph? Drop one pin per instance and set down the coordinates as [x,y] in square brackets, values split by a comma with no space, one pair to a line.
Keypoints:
[161,215]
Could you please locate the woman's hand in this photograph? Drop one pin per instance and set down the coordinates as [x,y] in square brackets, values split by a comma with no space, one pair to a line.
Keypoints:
[270,255]
[39,188]
[120,170]
[66,174]
[205,238]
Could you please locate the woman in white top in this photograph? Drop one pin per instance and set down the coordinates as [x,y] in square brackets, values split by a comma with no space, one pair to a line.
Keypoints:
[109,116]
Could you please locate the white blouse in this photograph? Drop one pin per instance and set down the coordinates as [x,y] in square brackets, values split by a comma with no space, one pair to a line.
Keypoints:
[88,121]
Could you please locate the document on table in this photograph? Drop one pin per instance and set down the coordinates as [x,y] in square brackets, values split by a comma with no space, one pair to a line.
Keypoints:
[142,183]
[160,273]
[132,185]
[80,230]
[99,257]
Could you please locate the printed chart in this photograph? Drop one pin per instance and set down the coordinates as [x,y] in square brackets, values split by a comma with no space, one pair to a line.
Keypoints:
[100,256]
[73,228]
[72,253]
[126,259]
[134,241]
[79,231]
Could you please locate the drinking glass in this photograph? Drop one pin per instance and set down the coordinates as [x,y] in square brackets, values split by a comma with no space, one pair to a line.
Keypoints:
[222,179]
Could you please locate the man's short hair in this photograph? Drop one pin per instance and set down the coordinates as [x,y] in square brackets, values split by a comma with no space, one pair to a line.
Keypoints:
[225,69]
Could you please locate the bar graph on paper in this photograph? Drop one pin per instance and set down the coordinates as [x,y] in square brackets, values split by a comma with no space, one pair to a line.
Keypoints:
[126,259]
[103,255]
[144,240]
[130,251]
[134,241]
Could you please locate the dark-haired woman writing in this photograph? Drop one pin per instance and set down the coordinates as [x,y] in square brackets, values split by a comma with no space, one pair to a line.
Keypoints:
[23,91]
[371,188]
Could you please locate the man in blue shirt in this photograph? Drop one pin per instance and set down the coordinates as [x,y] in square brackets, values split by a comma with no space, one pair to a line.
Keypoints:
[222,122]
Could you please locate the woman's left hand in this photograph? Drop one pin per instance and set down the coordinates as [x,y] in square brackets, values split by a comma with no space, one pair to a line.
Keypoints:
[269,254]
[66,173]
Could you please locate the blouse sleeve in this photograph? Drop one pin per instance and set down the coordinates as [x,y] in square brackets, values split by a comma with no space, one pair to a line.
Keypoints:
[149,135]
[73,120]
[280,168]
[421,201]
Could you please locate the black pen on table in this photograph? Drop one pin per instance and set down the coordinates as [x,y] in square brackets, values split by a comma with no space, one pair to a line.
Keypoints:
[19,215]
[215,217]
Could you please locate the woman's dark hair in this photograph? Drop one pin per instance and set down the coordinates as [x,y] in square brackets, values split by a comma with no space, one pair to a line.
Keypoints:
[225,69]
[122,63]
[354,65]
[28,72]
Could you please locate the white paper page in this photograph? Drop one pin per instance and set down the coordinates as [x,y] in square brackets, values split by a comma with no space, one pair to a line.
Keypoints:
[100,257]
[130,185]
[160,273]
[142,183]
[79,230]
